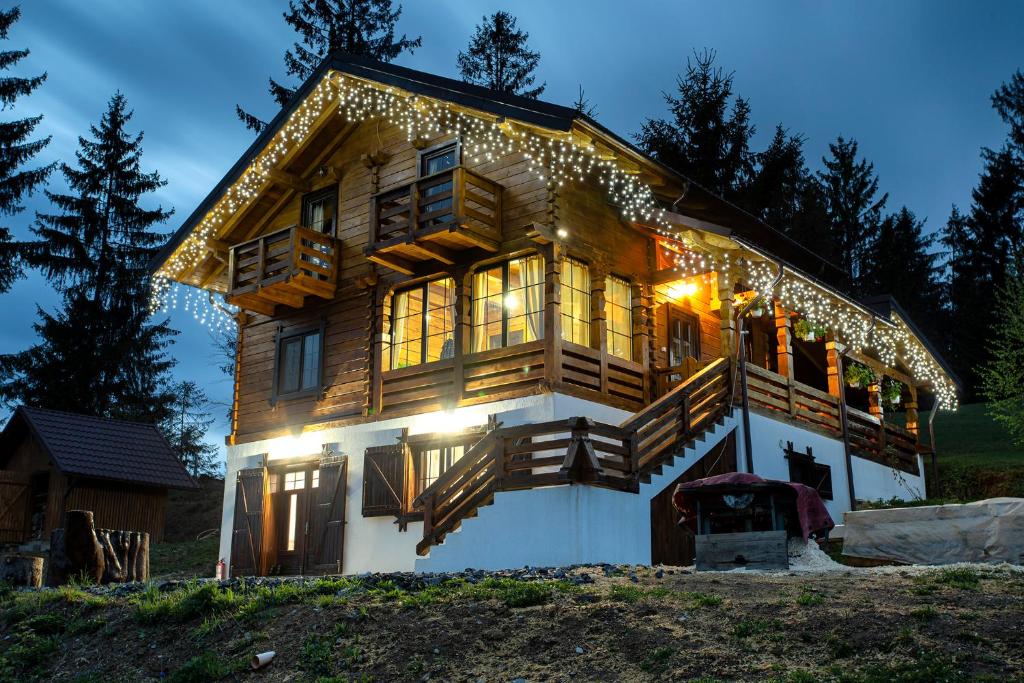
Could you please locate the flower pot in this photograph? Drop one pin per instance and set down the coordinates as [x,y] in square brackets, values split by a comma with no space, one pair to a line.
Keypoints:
[809,337]
[756,313]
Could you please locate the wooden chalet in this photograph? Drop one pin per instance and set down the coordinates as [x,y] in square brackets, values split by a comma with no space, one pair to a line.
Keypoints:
[52,461]
[456,303]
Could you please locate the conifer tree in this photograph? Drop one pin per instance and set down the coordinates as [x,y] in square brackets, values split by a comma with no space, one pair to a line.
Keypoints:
[186,427]
[583,106]
[16,150]
[1003,376]
[498,58]
[358,27]
[707,137]
[100,354]
[850,187]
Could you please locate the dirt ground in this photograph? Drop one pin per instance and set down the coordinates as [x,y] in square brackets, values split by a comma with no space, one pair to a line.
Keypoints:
[588,624]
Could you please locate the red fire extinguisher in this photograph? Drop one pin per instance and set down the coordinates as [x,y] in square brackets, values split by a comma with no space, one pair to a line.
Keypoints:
[221,570]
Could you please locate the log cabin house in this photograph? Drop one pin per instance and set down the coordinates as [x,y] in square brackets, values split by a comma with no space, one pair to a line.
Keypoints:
[52,461]
[478,330]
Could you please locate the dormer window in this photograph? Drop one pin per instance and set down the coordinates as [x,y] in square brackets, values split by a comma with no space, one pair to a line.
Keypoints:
[433,161]
[319,210]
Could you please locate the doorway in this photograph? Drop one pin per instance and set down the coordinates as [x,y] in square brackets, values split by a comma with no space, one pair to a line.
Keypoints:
[293,490]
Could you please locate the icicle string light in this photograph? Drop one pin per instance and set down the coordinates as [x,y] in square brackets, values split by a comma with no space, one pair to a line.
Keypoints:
[554,161]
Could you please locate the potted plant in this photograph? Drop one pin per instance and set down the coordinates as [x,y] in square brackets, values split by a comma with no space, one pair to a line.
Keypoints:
[857,375]
[757,311]
[809,331]
[892,392]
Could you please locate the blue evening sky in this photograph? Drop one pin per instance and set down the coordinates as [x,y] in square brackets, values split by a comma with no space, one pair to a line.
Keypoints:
[909,80]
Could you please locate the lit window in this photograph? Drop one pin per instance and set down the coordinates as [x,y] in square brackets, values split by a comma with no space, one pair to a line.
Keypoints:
[423,333]
[433,462]
[576,302]
[293,518]
[508,304]
[316,480]
[618,303]
[294,481]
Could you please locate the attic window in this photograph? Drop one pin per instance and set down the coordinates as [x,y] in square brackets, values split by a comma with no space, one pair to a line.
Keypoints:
[318,210]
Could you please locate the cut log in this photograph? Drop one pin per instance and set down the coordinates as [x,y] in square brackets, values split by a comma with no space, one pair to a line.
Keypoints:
[75,551]
[21,570]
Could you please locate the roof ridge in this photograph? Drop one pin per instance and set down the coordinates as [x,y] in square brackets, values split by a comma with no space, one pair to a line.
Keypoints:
[99,418]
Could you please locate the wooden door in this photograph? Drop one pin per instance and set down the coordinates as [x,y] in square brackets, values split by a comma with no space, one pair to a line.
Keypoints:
[326,539]
[672,544]
[247,531]
[292,488]
[14,506]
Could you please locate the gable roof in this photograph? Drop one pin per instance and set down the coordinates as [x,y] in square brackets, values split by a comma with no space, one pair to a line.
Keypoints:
[697,201]
[99,448]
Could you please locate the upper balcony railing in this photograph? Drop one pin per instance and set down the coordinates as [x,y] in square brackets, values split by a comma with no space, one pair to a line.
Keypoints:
[433,218]
[283,267]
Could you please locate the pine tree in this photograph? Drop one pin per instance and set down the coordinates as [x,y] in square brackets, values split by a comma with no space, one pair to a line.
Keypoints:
[1008,101]
[101,354]
[498,58]
[583,106]
[1003,376]
[16,150]
[900,262]
[850,187]
[774,192]
[186,427]
[708,135]
[357,27]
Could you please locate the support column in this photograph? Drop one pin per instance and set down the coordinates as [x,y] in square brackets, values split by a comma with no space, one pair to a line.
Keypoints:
[835,377]
[727,325]
[784,339]
[552,313]
[642,335]
[462,332]
[911,408]
[381,347]
[599,321]
[875,398]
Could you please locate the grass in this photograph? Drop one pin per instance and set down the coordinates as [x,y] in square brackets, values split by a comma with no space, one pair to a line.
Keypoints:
[971,437]
[184,558]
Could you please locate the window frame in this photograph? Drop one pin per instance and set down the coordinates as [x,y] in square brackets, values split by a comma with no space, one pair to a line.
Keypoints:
[672,311]
[283,336]
[607,317]
[424,337]
[504,294]
[314,195]
[419,445]
[587,310]
[435,150]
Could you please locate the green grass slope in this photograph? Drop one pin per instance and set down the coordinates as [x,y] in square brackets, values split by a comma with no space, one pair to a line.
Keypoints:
[976,457]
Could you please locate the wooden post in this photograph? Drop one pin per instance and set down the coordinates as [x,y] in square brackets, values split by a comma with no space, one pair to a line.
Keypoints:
[911,408]
[381,346]
[875,399]
[835,379]
[728,324]
[784,339]
[641,337]
[599,322]
[553,314]
[462,331]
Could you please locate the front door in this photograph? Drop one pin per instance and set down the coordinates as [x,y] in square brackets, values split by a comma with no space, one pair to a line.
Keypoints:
[293,490]
[682,344]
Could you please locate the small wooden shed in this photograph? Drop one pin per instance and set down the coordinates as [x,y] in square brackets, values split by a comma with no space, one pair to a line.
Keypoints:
[52,461]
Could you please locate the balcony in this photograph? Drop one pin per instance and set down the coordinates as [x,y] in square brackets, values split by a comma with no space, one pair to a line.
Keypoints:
[433,219]
[283,268]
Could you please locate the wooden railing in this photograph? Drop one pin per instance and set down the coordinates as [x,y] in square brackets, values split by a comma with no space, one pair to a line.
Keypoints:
[300,260]
[455,198]
[870,437]
[588,368]
[574,450]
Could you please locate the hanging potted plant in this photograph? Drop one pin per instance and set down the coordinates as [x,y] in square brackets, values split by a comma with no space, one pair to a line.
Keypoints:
[858,376]
[892,393]
[809,331]
[757,311]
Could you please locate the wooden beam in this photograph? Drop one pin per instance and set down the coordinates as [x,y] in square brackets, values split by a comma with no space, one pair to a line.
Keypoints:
[434,251]
[395,263]
[289,180]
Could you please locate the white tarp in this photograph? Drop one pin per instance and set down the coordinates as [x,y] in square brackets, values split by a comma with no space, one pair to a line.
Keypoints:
[985,531]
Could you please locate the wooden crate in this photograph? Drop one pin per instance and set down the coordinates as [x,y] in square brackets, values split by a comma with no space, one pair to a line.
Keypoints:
[750,550]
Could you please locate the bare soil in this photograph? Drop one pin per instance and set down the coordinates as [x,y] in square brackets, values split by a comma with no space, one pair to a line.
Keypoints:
[631,625]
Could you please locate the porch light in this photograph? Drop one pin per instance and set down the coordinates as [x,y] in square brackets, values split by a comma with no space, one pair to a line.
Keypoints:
[682,290]
[562,233]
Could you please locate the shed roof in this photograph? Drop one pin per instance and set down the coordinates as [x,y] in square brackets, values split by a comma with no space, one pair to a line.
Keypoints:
[98,447]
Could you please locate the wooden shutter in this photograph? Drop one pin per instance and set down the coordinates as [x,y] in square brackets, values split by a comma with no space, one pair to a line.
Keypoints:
[384,480]
[14,506]
[247,532]
[327,517]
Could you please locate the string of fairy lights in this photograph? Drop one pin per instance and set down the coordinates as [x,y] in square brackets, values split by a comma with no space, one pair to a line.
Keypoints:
[554,161]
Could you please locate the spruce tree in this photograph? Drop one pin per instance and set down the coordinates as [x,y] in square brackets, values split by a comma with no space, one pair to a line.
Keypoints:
[1003,376]
[707,137]
[850,187]
[358,27]
[16,150]
[100,354]
[498,58]
[583,106]
[186,427]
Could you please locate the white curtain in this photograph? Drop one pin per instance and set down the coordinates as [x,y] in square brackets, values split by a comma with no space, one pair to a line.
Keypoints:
[533,279]
[398,322]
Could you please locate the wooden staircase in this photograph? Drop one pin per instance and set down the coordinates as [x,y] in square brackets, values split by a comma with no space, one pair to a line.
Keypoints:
[577,450]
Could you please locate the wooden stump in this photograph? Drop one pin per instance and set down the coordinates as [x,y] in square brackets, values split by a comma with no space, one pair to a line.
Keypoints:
[127,555]
[21,570]
[98,556]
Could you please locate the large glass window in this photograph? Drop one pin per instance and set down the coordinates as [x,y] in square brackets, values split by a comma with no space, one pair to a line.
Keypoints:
[508,303]
[423,323]
[298,363]
[618,304]
[575,302]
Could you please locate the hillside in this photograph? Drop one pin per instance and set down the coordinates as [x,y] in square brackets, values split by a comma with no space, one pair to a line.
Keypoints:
[598,623]
[976,456]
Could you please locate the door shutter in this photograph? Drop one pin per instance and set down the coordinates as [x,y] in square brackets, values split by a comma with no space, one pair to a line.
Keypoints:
[14,506]
[247,536]
[384,477]
[327,517]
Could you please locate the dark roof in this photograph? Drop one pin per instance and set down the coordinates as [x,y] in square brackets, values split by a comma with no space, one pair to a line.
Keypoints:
[100,448]
[886,305]
[698,201]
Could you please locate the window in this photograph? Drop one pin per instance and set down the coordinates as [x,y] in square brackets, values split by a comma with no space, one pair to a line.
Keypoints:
[575,302]
[803,470]
[318,210]
[294,480]
[298,363]
[434,161]
[683,336]
[508,303]
[618,304]
[433,462]
[423,323]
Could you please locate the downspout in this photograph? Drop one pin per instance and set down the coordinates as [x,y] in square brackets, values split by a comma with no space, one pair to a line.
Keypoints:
[931,444]
[741,361]
[844,424]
